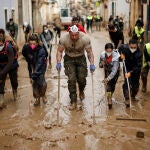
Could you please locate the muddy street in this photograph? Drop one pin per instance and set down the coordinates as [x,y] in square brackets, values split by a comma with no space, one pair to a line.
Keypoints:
[25,127]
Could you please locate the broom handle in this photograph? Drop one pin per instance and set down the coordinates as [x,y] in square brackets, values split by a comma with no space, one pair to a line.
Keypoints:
[58,107]
[93,97]
[127,83]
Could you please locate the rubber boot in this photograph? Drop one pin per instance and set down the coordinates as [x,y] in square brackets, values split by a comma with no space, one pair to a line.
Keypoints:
[109,99]
[144,85]
[37,102]
[2,105]
[15,94]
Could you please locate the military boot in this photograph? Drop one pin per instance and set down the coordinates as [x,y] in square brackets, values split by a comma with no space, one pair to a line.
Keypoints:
[37,102]
[15,94]
[81,95]
[109,99]
[73,106]
[2,105]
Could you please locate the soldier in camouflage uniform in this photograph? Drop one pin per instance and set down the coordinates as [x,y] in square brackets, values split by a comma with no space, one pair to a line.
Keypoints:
[75,43]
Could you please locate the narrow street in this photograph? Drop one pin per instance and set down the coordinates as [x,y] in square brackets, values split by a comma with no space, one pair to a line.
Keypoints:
[25,127]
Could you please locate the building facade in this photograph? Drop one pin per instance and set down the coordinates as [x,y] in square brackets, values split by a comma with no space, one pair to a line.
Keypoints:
[119,8]
[141,8]
[7,11]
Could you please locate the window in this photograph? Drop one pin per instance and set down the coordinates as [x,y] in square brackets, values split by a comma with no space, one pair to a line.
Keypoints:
[13,13]
[6,15]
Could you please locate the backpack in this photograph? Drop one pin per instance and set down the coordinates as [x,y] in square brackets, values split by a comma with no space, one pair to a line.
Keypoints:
[14,50]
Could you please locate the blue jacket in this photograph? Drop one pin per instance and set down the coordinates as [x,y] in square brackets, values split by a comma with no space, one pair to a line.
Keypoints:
[36,59]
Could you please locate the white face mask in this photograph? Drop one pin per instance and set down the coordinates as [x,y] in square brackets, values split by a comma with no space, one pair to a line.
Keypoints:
[1,48]
[46,30]
[132,50]
[108,53]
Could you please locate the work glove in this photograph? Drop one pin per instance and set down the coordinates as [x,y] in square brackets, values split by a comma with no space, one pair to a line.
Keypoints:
[58,66]
[127,75]
[122,56]
[92,68]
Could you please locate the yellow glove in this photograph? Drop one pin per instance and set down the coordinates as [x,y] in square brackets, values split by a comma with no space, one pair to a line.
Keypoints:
[122,56]
[127,75]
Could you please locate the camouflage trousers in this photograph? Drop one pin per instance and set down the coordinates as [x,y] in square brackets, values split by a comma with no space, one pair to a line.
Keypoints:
[76,70]
[112,83]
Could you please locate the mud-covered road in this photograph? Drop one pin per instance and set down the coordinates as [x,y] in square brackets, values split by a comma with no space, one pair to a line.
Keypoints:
[24,127]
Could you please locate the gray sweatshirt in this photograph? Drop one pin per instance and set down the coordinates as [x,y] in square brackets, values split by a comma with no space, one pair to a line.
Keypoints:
[114,63]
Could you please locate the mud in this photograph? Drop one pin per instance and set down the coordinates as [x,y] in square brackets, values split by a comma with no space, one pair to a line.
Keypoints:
[24,127]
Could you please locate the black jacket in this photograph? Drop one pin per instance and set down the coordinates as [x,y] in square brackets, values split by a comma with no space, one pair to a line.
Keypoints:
[133,61]
[36,60]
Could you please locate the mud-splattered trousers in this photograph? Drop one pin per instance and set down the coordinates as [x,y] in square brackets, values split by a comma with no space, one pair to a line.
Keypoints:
[13,79]
[76,70]
[111,83]
[39,86]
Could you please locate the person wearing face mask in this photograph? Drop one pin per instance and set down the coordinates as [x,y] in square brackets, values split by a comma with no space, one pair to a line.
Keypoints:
[138,34]
[109,60]
[47,37]
[36,58]
[11,26]
[132,56]
[75,44]
[6,61]
[116,35]
[145,66]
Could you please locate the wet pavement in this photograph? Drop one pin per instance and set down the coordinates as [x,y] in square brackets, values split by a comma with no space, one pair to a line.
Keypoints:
[25,127]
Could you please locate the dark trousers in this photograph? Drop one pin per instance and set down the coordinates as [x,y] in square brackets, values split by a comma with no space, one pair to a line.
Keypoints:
[39,86]
[76,70]
[134,85]
[112,83]
[13,75]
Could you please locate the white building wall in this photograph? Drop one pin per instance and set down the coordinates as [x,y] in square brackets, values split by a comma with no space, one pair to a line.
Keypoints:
[8,5]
